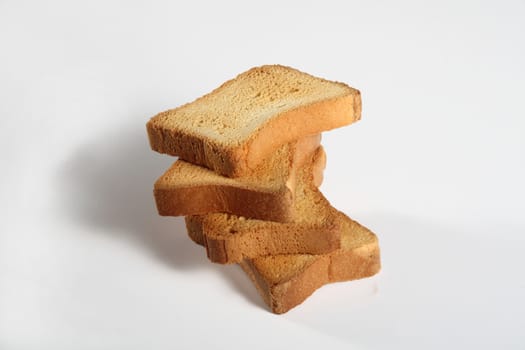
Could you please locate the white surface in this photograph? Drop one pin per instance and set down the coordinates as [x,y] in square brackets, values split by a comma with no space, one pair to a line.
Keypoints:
[435,168]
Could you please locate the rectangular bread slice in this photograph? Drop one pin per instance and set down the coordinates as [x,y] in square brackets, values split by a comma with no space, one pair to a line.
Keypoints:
[265,193]
[316,228]
[236,126]
[285,281]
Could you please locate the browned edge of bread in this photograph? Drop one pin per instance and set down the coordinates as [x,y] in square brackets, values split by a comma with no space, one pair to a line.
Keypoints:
[237,159]
[361,263]
[240,196]
[229,238]
[341,111]
[195,149]
[200,200]
[360,260]
[284,238]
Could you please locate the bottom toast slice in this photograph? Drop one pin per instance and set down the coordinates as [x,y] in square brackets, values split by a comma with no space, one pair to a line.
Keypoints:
[315,230]
[285,281]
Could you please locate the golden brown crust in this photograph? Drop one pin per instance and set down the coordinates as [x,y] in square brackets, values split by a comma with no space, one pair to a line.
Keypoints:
[357,262]
[284,128]
[193,149]
[273,206]
[285,296]
[226,246]
[253,196]
[358,259]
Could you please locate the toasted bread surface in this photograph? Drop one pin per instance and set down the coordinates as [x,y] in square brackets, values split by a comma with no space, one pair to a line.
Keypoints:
[265,193]
[285,281]
[315,228]
[236,126]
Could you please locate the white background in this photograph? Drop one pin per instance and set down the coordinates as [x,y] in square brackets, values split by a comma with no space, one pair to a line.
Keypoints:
[436,168]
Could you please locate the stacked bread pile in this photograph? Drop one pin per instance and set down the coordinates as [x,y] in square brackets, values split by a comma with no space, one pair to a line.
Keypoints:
[247,177]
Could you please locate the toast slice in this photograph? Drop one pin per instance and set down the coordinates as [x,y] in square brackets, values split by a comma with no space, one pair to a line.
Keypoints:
[316,228]
[265,193]
[285,281]
[236,126]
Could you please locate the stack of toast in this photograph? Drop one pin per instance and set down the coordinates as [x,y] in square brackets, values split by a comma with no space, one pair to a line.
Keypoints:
[247,176]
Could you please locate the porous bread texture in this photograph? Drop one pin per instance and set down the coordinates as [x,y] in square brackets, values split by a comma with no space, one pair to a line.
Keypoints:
[265,193]
[316,228]
[285,281]
[236,126]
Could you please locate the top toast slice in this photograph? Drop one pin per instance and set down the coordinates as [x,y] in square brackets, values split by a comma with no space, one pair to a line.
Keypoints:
[265,193]
[236,126]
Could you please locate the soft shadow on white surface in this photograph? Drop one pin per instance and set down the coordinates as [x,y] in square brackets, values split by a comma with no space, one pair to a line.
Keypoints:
[107,186]
[435,280]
